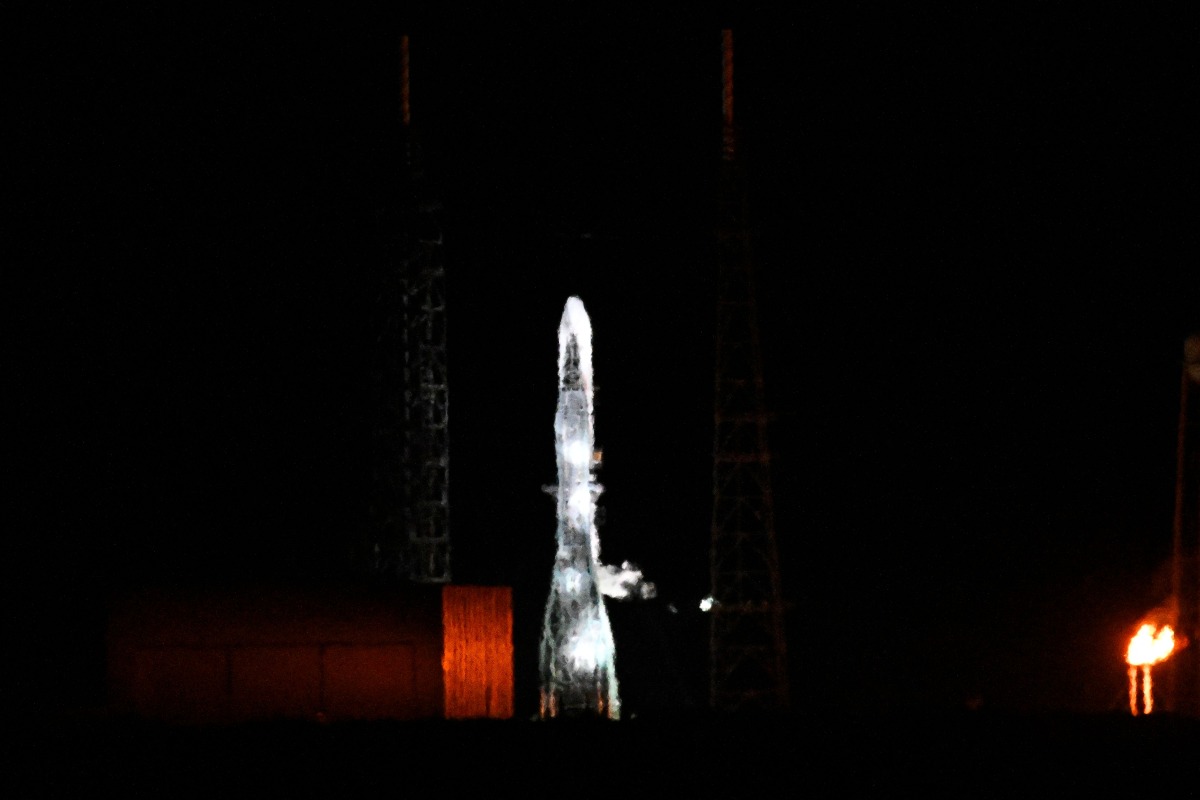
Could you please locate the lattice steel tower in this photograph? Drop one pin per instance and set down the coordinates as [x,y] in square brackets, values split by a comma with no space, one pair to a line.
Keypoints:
[410,526]
[747,645]
[1185,573]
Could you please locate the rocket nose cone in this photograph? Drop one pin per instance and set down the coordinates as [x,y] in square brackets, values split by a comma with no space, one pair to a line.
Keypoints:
[575,345]
[575,318]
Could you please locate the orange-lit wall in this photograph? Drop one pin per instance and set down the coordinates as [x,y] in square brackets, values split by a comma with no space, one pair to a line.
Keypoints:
[216,656]
[477,651]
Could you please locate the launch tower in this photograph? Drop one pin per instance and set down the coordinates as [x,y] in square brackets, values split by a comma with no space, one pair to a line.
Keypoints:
[410,525]
[748,658]
[1185,573]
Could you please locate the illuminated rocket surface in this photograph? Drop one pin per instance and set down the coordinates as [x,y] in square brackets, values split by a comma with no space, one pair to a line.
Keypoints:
[578,670]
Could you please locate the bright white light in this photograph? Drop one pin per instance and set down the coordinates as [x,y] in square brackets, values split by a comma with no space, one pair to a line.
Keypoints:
[577,453]
[580,500]
[591,647]
[584,654]
[707,603]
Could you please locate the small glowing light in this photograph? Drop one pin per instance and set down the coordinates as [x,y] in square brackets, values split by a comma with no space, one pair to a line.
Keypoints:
[707,603]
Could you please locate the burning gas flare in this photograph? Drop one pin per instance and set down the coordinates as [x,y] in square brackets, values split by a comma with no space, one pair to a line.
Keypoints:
[1149,646]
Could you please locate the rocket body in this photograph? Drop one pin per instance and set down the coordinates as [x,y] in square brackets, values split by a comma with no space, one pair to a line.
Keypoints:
[578,672]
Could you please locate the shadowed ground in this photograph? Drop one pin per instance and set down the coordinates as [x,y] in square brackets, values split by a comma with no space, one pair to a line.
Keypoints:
[697,754]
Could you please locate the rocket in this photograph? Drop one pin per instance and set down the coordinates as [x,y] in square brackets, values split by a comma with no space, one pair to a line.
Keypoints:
[576,655]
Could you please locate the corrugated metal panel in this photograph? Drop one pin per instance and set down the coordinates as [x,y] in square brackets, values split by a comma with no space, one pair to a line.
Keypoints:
[197,656]
[477,656]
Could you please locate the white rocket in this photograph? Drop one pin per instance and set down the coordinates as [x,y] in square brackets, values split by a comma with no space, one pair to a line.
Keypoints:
[578,670]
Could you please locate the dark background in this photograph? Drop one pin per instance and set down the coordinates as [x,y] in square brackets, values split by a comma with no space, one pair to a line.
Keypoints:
[976,250]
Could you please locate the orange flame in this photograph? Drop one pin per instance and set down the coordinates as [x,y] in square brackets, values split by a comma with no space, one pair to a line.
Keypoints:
[1150,645]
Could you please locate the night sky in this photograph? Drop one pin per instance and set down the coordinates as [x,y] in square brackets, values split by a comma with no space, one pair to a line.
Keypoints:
[976,247]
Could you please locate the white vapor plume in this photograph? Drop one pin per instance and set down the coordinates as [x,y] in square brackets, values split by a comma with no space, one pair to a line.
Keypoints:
[625,582]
